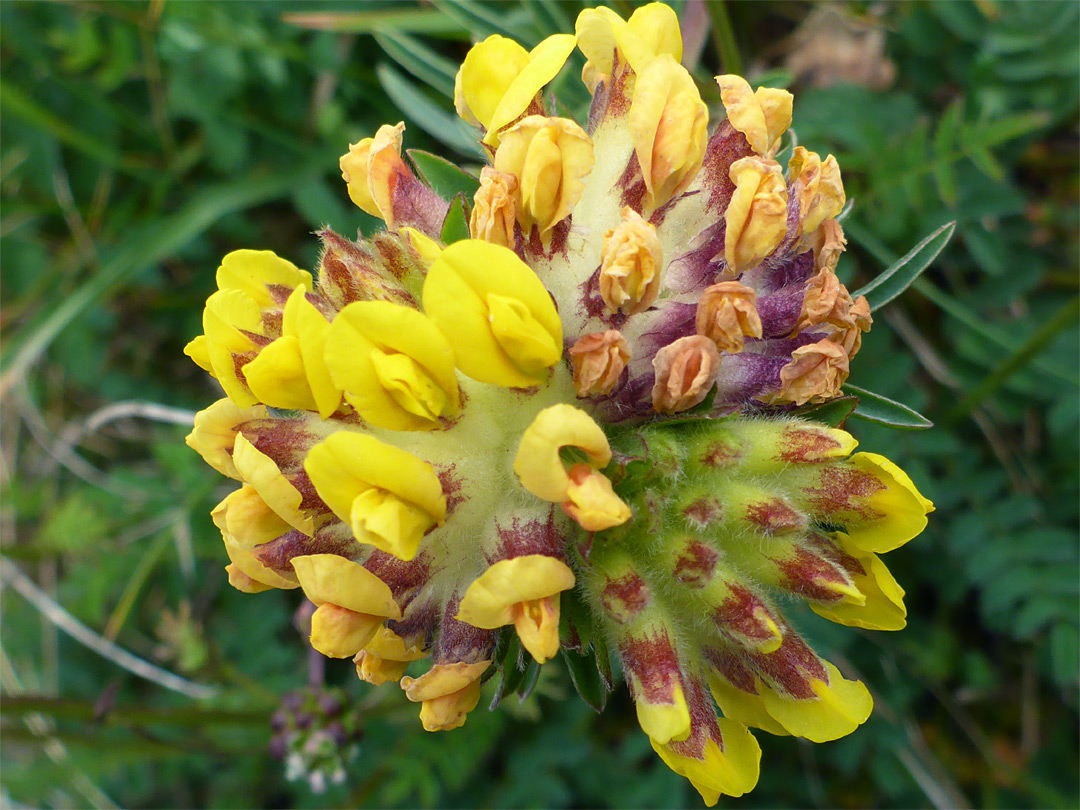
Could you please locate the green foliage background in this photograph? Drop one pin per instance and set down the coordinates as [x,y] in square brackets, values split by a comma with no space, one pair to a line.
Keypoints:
[141,142]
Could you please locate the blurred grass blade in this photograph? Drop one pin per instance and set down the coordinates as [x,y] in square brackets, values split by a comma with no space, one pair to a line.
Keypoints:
[443,176]
[435,70]
[441,125]
[897,278]
[416,20]
[876,408]
[482,20]
[1061,319]
[146,249]
[17,103]
[985,329]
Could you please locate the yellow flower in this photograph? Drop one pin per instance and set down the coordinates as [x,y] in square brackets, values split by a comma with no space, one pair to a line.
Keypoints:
[651,31]
[668,120]
[215,431]
[523,591]
[762,116]
[388,496]
[630,265]
[393,364]
[385,657]
[817,187]
[448,693]
[550,158]
[280,494]
[372,168]
[500,79]
[495,313]
[291,372]
[351,603]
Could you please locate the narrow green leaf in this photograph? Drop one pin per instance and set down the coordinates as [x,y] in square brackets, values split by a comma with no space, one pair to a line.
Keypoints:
[456,225]
[876,408]
[445,178]
[528,681]
[483,20]
[586,679]
[893,281]
[441,125]
[832,413]
[432,68]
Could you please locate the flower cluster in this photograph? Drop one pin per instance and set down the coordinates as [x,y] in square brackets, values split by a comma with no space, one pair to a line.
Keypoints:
[584,380]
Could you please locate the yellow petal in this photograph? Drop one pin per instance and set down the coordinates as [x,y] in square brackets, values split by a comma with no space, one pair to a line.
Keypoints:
[252,272]
[761,116]
[489,69]
[538,464]
[385,166]
[426,248]
[456,295]
[345,464]
[840,707]
[732,771]
[312,329]
[756,216]
[228,314]
[362,342]
[592,502]
[330,579]
[666,721]
[354,171]
[521,336]
[338,632]
[537,624]
[215,430]
[656,29]
[544,63]
[248,564]
[901,506]
[389,645]
[442,679]
[742,707]
[276,376]
[372,669]
[595,29]
[242,582]
[668,122]
[245,519]
[448,712]
[198,351]
[384,520]
[259,470]
[884,598]
[488,603]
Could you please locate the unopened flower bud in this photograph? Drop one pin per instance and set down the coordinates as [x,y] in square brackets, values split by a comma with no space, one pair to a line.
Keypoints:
[816,372]
[551,157]
[630,264]
[726,313]
[685,372]
[756,217]
[598,360]
[668,122]
[494,210]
